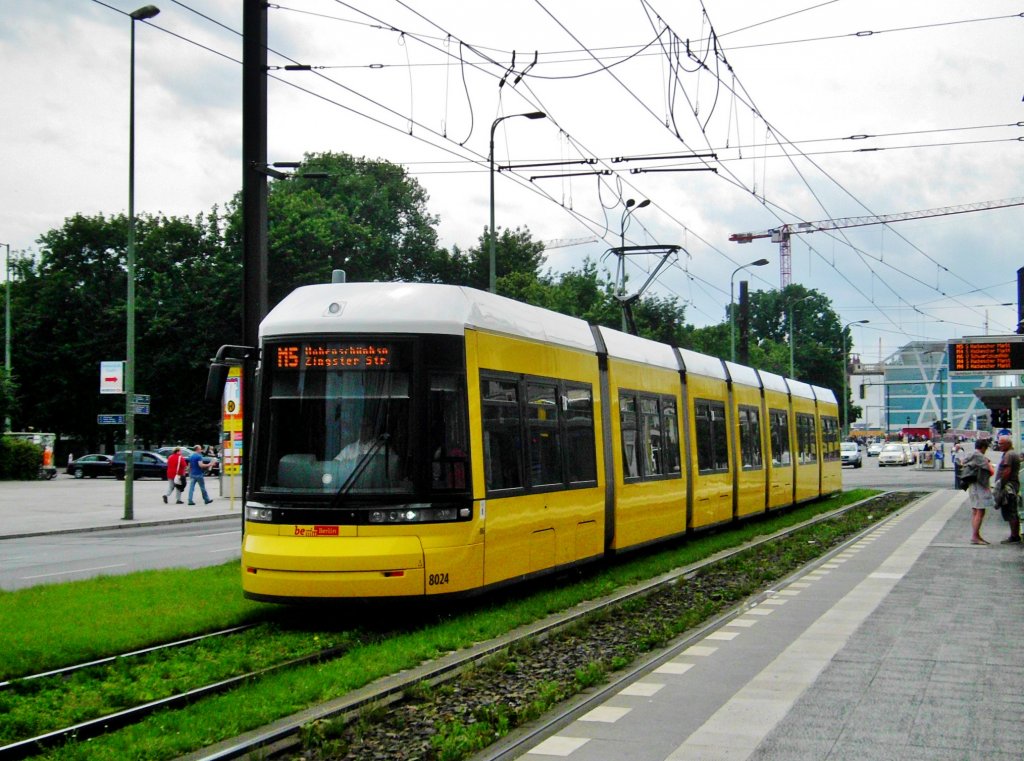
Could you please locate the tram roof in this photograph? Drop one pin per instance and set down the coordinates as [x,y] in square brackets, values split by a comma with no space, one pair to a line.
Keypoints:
[625,346]
[418,308]
[799,388]
[823,394]
[773,382]
[743,374]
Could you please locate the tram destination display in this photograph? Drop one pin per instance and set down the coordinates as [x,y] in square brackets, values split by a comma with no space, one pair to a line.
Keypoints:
[987,354]
[332,355]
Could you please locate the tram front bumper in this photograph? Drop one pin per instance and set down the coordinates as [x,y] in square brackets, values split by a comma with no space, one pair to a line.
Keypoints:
[300,567]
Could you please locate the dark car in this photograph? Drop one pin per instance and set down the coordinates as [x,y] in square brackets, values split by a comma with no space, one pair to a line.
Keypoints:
[187,452]
[91,465]
[145,464]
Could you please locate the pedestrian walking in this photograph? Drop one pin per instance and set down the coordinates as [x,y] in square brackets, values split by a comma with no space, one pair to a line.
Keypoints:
[177,472]
[1007,488]
[979,493]
[958,457]
[197,467]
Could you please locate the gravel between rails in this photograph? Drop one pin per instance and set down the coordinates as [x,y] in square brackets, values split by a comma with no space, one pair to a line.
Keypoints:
[455,719]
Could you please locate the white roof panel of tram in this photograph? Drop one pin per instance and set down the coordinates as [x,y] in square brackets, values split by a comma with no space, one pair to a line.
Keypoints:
[824,394]
[418,308]
[633,348]
[801,389]
[773,382]
[702,364]
[743,374]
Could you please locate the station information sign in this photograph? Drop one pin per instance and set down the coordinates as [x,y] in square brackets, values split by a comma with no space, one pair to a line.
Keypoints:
[987,354]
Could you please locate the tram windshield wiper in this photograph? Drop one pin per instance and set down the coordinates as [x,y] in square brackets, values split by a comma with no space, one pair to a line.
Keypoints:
[361,465]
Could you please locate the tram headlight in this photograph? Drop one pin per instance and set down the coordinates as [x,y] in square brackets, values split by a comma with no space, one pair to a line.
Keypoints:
[419,513]
[258,513]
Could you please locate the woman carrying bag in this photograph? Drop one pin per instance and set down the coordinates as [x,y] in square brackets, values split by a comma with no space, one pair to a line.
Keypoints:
[979,493]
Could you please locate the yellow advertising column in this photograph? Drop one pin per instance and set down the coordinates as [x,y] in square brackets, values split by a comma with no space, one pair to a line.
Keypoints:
[231,451]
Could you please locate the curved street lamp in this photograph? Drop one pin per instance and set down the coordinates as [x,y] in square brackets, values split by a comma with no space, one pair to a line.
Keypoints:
[141,14]
[846,414]
[792,334]
[732,310]
[631,207]
[492,279]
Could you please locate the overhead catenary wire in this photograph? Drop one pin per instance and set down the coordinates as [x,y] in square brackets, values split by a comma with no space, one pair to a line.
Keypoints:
[441,134]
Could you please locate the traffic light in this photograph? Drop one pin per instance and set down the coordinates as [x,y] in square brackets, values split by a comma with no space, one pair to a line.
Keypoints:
[1001,418]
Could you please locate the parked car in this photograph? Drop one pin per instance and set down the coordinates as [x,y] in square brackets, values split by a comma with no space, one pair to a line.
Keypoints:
[145,464]
[849,454]
[168,451]
[895,453]
[875,448]
[214,470]
[91,465]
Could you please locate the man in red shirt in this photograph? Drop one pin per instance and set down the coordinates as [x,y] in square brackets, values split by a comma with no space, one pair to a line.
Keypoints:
[176,466]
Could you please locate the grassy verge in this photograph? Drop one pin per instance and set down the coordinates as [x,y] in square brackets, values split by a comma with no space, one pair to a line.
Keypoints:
[56,625]
[169,734]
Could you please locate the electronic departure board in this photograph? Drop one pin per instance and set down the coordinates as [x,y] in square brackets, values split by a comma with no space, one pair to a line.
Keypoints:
[331,356]
[987,354]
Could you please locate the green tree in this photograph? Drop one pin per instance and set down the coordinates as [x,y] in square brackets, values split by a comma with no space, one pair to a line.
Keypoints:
[366,217]
[816,333]
[71,315]
[516,254]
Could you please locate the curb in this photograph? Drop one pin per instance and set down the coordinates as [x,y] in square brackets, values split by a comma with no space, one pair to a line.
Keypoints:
[125,525]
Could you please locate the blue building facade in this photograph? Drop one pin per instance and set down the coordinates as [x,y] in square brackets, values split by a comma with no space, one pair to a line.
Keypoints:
[918,391]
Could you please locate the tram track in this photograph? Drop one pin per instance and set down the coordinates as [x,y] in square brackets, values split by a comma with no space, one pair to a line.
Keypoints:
[449,678]
[100,725]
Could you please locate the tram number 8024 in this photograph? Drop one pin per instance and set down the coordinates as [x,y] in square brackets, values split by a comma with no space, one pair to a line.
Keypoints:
[437,579]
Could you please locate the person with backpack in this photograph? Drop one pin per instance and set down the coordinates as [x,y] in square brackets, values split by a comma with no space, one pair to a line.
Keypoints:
[976,472]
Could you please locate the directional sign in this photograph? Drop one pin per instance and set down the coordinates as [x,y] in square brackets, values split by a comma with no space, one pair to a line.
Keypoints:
[110,419]
[111,377]
[141,409]
[142,399]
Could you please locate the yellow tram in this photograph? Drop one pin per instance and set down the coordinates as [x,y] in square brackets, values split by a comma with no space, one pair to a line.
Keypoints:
[419,439]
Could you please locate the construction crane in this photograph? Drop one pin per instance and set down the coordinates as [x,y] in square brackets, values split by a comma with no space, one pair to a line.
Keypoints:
[781,234]
[564,242]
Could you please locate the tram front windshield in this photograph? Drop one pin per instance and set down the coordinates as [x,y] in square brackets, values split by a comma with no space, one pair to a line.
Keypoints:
[342,419]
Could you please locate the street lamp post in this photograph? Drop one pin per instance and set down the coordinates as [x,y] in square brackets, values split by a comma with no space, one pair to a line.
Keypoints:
[792,335]
[627,214]
[7,324]
[732,308]
[492,279]
[141,14]
[846,413]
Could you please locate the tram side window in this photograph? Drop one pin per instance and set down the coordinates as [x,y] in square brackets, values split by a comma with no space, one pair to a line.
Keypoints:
[779,420]
[650,436]
[712,436]
[538,433]
[670,438]
[542,429]
[503,444]
[807,446]
[830,438]
[581,458]
[750,437]
[630,436]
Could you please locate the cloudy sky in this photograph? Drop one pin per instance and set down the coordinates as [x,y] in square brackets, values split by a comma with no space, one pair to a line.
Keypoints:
[781,111]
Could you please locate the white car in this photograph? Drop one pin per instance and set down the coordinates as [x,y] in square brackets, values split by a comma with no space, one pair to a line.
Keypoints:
[894,453]
[875,449]
[849,454]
